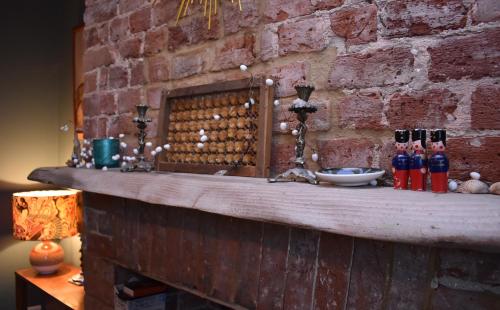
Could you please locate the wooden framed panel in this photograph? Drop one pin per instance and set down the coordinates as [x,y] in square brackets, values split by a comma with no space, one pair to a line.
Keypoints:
[239,141]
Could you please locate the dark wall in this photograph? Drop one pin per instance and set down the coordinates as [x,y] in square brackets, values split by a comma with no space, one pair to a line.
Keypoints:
[35,99]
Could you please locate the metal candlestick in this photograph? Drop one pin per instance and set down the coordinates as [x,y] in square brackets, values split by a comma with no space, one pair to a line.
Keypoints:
[302,108]
[142,164]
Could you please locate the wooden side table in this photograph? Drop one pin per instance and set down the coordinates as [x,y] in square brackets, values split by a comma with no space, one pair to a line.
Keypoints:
[50,291]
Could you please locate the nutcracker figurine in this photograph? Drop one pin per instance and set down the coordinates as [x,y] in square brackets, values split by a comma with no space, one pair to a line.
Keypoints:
[438,163]
[401,162]
[418,161]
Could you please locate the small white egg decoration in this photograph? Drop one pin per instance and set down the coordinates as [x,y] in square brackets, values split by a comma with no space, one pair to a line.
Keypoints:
[283,126]
[276,102]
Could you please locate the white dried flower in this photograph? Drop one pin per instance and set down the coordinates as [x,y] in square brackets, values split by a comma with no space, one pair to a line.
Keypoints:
[88,165]
[111,138]
[252,101]
[123,145]
[200,145]
[124,164]
[247,105]
[104,168]
[315,157]
[132,158]
[136,151]
[116,157]
[167,146]
[216,117]
[64,128]
[243,68]
[121,136]
[283,126]
[276,102]
[202,132]
[295,132]
[269,82]
[149,144]
[158,149]
[85,141]
[93,161]
[204,138]
[153,153]
[75,161]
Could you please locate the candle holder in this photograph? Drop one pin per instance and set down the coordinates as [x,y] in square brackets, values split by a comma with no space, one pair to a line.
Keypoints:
[301,107]
[141,164]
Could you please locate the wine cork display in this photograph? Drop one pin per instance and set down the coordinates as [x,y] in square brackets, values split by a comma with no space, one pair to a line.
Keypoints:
[209,130]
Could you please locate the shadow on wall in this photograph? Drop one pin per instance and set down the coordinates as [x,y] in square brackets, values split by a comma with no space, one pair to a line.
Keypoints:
[14,253]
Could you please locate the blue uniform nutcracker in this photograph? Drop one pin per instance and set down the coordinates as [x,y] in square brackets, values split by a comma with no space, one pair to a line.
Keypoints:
[401,162]
[438,163]
[418,161]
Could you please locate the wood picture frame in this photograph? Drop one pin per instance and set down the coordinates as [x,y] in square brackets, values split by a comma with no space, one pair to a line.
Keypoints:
[261,129]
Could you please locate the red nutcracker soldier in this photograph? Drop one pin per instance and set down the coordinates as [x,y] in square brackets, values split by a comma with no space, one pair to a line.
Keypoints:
[401,162]
[418,161]
[438,163]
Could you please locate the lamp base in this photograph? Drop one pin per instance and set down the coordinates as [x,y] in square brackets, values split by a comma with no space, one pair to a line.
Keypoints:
[46,257]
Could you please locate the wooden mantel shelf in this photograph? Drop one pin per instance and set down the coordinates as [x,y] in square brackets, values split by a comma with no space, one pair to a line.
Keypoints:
[375,213]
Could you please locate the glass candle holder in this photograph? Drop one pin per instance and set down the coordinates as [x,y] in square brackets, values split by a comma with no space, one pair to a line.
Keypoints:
[104,150]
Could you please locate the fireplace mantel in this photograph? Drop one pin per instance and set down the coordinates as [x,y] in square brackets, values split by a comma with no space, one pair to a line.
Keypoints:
[374,213]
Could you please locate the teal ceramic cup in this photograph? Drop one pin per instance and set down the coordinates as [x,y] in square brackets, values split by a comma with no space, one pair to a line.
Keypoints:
[104,150]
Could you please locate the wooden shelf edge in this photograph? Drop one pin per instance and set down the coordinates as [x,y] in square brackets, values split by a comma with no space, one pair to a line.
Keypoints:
[471,221]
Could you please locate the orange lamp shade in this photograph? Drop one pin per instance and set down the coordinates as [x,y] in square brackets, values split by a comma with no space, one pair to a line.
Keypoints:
[45,215]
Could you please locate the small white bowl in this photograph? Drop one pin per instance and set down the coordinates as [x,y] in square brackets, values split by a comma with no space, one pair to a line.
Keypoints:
[349,176]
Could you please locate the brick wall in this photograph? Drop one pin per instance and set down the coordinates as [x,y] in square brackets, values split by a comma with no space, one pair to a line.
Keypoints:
[266,266]
[377,66]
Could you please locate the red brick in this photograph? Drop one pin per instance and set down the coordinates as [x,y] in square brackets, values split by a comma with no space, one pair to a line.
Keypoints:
[101,246]
[485,107]
[401,18]
[130,5]
[192,32]
[326,4]
[91,106]
[118,28]
[382,67]
[137,75]
[113,127]
[306,35]
[130,48]
[164,11]
[486,11]
[103,78]
[140,20]
[107,103]
[236,51]
[152,130]
[472,56]
[361,111]
[269,43]
[98,57]
[155,96]
[235,20]
[99,103]
[278,10]
[124,124]
[155,41]
[345,152]
[94,303]
[100,11]
[90,128]
[287,76]
[357,25]
[158,68]
[96,35]
[187,65]
[446,298]
[319,121]
[481,154]
[282,156]
[90,82]
[118,77]
[429,109]
[128,99]
[102,127]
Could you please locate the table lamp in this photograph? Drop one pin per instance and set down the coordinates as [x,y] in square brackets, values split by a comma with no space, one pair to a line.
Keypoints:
[45,215]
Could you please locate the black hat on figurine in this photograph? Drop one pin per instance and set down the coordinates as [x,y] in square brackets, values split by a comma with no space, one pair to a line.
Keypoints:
[438,135]
[419,134]
[402,135]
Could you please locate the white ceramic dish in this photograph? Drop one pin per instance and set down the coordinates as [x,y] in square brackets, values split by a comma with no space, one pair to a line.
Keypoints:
[349,176]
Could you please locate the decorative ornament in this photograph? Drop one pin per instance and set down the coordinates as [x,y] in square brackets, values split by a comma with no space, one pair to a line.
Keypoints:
[209,9]
[283,126]
[276,102]
[438,163]
[315,157]
[475,175]
[269,82]
[167,146]
[418,161]
[452,185]
[401,161]
[495,188]
[141,165]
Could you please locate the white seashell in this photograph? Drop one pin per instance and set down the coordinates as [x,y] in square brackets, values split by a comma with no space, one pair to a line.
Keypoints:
[158,149]
[123,145]
[475,175]
[247,105]
[276,102]
[167,146]
[149,144]
[153,153]
[495,188]
[295,132]
[473,187]
[200,145]
[136,151]
[283,126]
[314,157]
[243,68]
[122,135]
[373,182]
[204,138]
[202,132]
[104,168]
[269,82]
[216,117]
[452,186]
